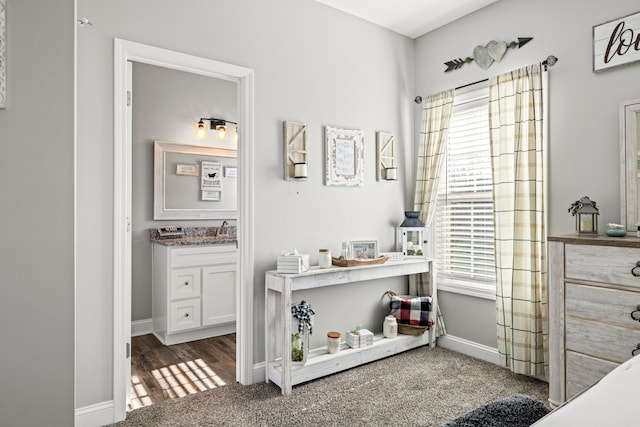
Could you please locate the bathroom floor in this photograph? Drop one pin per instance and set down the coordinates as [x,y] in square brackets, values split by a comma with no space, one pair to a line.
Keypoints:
[160,372]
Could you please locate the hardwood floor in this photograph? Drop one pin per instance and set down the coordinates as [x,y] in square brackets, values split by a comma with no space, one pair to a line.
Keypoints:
[160,372]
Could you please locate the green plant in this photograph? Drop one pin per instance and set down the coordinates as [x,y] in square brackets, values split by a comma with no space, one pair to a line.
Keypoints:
[356,330]
[573,208]
[297,347]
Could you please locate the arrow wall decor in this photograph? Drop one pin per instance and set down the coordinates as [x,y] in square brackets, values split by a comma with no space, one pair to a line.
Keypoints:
[486,55]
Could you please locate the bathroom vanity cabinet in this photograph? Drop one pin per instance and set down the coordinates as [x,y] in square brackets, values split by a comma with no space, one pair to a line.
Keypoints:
[194,291]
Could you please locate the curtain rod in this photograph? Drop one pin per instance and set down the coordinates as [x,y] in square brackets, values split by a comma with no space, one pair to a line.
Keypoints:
[549,62]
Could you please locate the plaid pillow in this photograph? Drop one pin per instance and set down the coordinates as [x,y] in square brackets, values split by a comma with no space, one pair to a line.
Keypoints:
[414,311]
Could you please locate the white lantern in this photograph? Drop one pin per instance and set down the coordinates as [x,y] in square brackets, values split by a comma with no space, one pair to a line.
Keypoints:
[410,236]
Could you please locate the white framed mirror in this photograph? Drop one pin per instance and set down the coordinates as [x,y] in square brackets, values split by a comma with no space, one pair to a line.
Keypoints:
[629,170]
[194,182]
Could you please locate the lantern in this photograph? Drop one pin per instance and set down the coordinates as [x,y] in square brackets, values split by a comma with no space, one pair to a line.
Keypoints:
[410,236]
[586,216]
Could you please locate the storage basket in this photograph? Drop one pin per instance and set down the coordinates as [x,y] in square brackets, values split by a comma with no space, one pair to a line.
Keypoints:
[406,329]
[412,330]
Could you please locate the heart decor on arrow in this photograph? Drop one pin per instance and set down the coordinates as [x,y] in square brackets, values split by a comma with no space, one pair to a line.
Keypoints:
[484,56]
[496,50]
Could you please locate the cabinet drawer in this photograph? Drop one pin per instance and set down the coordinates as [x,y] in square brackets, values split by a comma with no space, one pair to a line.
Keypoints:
[203,255]
[602,305]
[185,283]
[606,264]
[184,315]
[601,340]
[583,371]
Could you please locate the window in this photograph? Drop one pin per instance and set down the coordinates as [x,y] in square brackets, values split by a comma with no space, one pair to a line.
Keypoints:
[464,225]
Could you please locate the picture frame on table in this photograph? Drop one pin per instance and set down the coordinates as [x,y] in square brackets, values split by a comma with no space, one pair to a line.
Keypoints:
[363,249]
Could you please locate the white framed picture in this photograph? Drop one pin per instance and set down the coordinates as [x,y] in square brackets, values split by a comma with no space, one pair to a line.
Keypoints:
[210,195]
[344,157]
[363,249]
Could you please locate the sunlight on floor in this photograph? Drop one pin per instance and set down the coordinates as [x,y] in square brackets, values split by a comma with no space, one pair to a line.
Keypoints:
[175,381]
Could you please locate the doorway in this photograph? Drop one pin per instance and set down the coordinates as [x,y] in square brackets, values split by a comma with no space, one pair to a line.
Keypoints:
[126,52]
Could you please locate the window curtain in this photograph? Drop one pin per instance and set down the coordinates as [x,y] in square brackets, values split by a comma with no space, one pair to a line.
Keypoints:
[436,114]
[516,134]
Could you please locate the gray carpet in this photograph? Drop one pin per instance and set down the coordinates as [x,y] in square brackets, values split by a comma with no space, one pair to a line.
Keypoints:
[421,387]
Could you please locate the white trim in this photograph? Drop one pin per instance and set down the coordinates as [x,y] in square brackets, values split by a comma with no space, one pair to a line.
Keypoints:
[141,327]
[99,414]
[470,348]
[125,52]
[478,290]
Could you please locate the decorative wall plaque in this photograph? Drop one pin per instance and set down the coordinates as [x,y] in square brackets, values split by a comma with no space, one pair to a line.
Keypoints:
[616,42]
[344,157]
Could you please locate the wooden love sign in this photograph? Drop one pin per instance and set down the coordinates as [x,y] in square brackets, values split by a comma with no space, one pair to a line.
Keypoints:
[616,42]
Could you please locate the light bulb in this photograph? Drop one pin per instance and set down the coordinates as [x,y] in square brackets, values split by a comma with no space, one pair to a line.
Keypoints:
[235,135]
[201,130]
[221,133]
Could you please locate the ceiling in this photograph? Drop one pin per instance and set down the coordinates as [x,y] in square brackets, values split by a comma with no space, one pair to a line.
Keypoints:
[411,18]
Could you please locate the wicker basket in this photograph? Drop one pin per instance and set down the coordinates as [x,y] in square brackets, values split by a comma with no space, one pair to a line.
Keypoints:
[412,330]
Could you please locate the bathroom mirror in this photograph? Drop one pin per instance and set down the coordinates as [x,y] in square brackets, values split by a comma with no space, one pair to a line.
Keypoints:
[629,168]
[194,182]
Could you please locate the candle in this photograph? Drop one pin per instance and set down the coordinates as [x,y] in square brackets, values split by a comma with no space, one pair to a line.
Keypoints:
[300,170]
[391,174]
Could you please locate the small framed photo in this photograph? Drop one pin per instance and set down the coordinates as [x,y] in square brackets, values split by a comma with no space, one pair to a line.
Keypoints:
[364,249]
[211,195]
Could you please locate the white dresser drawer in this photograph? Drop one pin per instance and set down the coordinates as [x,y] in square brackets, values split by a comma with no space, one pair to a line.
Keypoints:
[605,264]
[185,283]
[584,371]
[601,340]
[610,306]
[203,255]
[184,315]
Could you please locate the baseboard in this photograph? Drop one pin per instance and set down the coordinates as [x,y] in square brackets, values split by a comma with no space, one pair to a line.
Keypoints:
[99,414]
[141,327]
[259,372]
[470,348]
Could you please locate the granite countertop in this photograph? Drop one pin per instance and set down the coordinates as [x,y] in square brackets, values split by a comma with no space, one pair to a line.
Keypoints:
[197,236]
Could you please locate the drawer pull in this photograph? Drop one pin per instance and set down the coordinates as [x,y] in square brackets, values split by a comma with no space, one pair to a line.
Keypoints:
[187,315]
[186,283]
[635,314]
[635,350]
[633,270]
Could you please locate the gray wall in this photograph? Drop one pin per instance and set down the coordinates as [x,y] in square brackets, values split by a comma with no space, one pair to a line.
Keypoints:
[583,106]
[37,193]
[312,64]
[166,106]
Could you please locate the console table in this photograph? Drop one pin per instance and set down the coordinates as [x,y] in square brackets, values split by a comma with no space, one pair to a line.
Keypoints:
[285,373]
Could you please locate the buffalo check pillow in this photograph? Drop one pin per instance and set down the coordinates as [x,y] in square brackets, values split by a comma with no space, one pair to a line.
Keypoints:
[412,311]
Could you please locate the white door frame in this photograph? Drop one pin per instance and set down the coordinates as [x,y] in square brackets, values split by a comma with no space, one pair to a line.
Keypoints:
[124,52]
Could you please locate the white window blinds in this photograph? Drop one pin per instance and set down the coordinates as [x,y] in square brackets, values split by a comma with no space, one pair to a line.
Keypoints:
[464,227]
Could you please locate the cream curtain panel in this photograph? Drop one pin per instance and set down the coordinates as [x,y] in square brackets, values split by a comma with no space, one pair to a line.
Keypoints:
[436,115]
[516,133]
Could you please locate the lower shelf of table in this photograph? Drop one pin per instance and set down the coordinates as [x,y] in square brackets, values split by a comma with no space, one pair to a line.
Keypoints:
[321,363]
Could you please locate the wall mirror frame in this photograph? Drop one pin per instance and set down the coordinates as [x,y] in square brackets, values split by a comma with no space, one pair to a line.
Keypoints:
[161,211]
[629,171]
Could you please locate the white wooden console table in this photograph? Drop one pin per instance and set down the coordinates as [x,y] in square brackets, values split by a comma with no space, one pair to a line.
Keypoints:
[285,373]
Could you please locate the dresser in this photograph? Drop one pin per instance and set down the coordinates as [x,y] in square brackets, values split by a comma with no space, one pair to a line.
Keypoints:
[194,290]
[592,294]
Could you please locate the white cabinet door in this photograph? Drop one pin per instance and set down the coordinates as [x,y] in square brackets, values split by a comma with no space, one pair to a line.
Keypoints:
[218,294]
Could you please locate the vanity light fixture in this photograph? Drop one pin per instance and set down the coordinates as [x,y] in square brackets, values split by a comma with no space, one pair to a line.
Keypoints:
[220,126]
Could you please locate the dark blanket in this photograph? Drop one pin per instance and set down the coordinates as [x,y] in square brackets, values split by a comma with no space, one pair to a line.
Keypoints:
[517,410]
